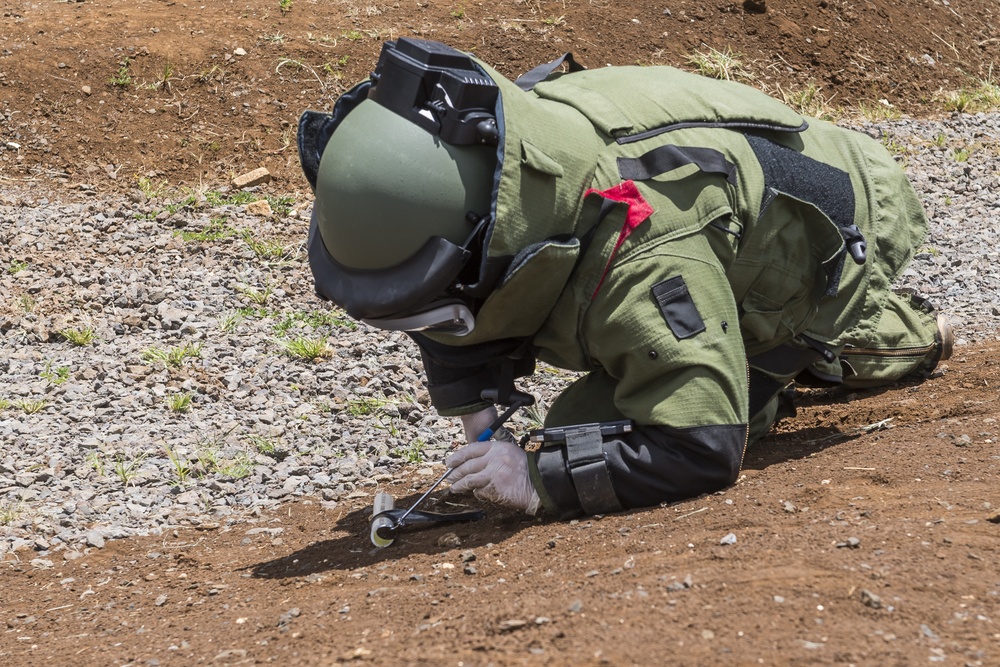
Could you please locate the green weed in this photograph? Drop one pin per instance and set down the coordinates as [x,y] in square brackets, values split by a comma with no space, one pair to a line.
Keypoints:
[123,77]
[27,303]
[179,402]
[257,297]
[95,461]
[265,250]
[126,468]
[229,321]
[309,349]
[182,467]
[366,406]
[210,461]
[9,513]
[4,403]
[16,267]
[412,453]
[30,406]
[150,189]
[962,154]
[264,445]
[56,376]
[285,6]
[80,337]
[238,467]
[216,229]
[353,35]
[173,356]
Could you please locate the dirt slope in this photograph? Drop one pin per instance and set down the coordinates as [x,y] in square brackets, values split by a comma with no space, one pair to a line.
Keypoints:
[189,94]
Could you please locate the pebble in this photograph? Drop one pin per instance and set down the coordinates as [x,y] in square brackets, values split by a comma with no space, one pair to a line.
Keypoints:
[264,429]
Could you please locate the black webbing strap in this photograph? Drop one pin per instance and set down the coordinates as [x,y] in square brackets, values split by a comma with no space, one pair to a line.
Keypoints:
[589,470]
[662,159]
[528,80]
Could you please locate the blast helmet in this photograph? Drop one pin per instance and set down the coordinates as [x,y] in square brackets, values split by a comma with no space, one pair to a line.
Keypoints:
[403,172]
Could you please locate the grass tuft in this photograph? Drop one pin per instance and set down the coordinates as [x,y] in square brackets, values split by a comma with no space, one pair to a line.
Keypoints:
[725,65]
[309,349]
[173,356]
[179,402]
[79,337]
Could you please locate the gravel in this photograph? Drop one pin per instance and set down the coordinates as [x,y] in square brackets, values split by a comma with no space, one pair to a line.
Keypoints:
[194,303]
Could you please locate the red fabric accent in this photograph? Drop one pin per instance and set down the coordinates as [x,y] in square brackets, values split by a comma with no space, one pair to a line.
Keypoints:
[638,210]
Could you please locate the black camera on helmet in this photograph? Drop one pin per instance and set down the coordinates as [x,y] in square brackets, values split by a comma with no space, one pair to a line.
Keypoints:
[437,88]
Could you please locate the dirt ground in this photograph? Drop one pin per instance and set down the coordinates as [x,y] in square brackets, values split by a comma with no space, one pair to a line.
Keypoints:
[864,535]
[100,93]
[864,529]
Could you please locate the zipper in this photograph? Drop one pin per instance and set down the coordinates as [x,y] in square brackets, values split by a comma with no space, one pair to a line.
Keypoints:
[746,431]
[901,352]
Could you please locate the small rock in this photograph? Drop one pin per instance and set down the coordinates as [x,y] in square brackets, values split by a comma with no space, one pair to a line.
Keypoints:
[85,90]
[449,540]
[161,600]
[470,569]
[728,539]
[239,51]
[252,178]
[850,543]
[869,599]
[260,208]
[95,539]
[512,624]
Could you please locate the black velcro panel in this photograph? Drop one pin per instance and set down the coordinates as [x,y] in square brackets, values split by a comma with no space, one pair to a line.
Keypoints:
[662,159]
[791,172]
[677,306]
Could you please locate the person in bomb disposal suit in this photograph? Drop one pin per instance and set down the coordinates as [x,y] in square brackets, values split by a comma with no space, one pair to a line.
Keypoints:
[692,245]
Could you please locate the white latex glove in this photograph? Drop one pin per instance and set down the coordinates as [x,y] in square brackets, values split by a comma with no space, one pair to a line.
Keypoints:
[477,422]
[496,471]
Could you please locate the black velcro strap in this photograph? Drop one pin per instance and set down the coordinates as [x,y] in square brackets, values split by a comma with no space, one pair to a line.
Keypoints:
[528,80]
[825,186]
[662,159]
[589,470]
[677,307]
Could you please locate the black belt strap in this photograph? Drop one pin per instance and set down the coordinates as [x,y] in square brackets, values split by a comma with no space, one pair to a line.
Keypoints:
[666,158]
[528,80]
[589,470]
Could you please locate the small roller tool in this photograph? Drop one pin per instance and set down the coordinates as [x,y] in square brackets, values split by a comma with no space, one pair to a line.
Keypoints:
[387,520]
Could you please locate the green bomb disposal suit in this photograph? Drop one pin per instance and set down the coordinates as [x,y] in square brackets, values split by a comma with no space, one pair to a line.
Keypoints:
[692,246]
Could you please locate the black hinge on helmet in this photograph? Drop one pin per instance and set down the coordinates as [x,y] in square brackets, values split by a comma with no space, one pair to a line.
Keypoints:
[437,88]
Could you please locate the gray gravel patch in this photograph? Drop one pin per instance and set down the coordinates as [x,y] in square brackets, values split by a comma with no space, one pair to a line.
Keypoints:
[185,408]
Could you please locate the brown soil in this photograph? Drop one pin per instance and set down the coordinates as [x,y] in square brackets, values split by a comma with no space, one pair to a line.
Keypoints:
[187,111]
[864,530]
[864,535]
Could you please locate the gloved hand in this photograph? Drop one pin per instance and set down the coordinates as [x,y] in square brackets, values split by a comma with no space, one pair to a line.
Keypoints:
[496,471]
[477,422]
